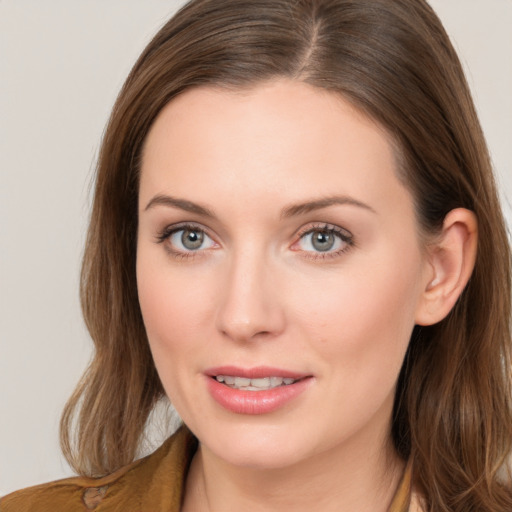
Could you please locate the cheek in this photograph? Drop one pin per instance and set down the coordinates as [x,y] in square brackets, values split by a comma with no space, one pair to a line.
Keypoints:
[170,305]
[363,316]
[170,296]
[169,319]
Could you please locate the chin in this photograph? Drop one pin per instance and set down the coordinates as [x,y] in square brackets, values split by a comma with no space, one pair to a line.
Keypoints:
[263,456]
[257,446]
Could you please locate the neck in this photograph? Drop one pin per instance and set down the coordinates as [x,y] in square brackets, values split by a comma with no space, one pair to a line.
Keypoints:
[358,476]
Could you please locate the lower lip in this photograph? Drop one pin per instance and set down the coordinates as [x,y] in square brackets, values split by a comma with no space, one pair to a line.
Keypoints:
[256,402]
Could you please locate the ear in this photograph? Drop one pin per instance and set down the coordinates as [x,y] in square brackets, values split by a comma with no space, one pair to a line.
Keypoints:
[451,259]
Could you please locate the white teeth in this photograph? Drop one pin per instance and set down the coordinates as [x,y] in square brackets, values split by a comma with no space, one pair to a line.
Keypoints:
[276,381]
[259,384]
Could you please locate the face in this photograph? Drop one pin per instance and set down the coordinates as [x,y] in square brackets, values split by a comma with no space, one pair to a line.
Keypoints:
[279,271]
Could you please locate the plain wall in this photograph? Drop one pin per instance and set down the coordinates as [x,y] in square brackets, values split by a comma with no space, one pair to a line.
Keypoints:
[62,63]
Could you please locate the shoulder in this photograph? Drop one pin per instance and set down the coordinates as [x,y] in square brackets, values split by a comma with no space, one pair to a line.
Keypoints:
[73,494]
[153,483]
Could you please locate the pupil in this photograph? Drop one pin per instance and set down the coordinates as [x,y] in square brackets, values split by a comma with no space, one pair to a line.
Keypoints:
[323,241]
[192,239]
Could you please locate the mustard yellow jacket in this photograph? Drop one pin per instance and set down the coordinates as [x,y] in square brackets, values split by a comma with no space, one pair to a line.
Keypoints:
[152,484]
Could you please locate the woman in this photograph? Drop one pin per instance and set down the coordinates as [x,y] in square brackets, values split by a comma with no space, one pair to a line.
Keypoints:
[296,238]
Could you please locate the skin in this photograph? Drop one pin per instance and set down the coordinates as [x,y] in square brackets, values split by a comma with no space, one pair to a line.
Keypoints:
[258,292]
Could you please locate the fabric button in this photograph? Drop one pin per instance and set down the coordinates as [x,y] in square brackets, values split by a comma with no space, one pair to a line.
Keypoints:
[92,497]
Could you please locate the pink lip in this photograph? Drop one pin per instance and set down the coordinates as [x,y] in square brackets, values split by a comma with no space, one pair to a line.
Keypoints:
[258,372]
[255,402]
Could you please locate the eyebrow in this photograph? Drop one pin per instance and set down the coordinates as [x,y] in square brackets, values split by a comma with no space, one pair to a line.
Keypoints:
[287,212]
[307,207]
[182,204]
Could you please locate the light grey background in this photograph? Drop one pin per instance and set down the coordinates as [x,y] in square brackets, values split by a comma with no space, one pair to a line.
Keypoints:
[62,63]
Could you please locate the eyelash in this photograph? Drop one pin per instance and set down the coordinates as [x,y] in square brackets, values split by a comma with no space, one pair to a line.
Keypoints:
[167,232]
[346,237]
[342,234]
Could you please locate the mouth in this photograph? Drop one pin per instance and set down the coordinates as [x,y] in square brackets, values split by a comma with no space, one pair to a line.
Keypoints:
[257,384]
[256,390]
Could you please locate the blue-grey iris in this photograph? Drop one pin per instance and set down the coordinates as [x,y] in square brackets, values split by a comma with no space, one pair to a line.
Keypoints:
[323,240]
[192,239]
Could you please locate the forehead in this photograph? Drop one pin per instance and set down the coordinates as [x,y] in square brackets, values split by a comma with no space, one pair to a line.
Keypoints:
[257,141]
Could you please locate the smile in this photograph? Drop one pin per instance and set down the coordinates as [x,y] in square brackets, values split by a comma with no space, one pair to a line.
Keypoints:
[255,391]
[259,384]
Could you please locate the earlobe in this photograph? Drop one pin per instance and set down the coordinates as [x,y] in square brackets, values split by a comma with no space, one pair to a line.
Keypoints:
[451,259]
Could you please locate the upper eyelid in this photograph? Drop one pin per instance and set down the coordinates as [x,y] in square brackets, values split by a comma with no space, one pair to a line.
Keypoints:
[173,228]
[324,226]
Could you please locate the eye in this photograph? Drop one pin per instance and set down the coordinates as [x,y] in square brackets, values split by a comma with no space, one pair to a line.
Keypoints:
[182,240]
[190,239]
[327,239]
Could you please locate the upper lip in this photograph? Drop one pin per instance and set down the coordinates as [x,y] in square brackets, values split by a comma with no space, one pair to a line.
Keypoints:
[257,372]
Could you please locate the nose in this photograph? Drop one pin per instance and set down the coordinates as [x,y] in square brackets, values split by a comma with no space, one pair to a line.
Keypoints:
[250,307]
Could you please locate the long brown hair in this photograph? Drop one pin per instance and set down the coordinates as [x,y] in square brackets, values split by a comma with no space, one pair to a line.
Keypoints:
[393,60]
